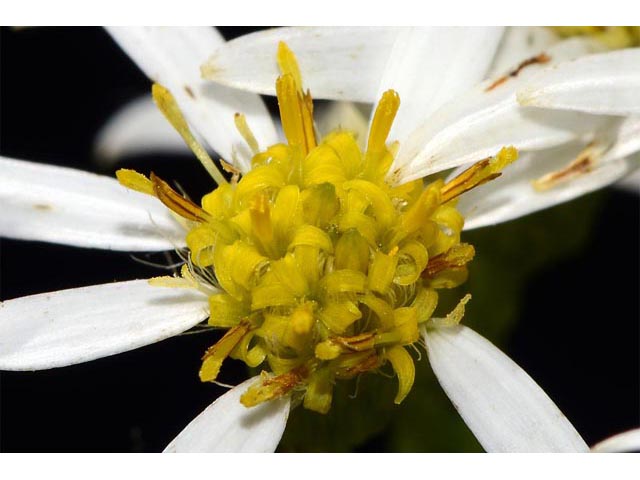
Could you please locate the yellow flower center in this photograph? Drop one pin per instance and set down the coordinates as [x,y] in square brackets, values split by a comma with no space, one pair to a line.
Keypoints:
[325,270]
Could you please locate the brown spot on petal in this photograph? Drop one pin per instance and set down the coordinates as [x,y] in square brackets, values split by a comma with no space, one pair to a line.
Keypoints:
[582,165]
[43,207]
[189,91]
[538,59]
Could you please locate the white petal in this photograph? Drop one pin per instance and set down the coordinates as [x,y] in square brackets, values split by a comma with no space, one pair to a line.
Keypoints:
[337,63]
[477,124]
[228,426]
[72,207]
[519,43]
[622,442]
[172,57]
[81,324]
[513,195]
[606,83]
[630,183]
[627,140]
[429,66]
[503,407]
[137,128]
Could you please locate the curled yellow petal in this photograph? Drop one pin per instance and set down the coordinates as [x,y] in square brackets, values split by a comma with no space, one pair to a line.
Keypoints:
[213,358]
[404,367]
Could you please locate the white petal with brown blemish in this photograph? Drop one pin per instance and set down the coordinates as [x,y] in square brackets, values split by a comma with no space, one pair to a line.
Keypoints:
[519,43]
[73,326]
[72,207]
[605,83]
[336,63]
[504,408]
[172,57]
[514,195]
[138,128]
[477,124]
[228,426]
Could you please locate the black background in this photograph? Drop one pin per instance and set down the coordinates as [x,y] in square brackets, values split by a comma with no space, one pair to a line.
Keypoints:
[57,88]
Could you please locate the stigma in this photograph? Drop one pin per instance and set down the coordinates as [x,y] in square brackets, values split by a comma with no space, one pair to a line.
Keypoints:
[321,270]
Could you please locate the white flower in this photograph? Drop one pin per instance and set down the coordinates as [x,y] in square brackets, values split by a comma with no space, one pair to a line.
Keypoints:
[459,121]
[505,408]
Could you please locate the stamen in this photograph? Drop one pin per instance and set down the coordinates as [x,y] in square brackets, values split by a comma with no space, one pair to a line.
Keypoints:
[169,107]
[294,115]
[135,181]
[289,64]
[274,387]
[479,173]
[176,202]
[242,126]
[382,121]
[296,107]
[454,317]
[332,348]
[457,256]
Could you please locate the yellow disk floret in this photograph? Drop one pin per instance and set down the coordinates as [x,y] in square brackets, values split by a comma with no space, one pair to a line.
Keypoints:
[323,270]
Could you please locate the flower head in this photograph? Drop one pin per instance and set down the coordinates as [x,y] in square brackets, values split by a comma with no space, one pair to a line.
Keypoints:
[376,307]
[321,268]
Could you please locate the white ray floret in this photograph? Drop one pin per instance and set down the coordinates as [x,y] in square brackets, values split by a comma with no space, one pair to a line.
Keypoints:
[503,407]
[611,155]
[430,66]
[137,128]
[471,126]
[519,43]
[171,56]
[337,63]
[479,122]
[228,426]
[73,326]
[605,83]
[623,442]
[72,207]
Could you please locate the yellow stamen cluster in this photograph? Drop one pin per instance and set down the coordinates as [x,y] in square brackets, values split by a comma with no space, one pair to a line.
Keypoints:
[325,270]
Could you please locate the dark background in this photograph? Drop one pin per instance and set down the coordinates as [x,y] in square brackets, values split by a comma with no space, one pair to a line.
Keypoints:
[569,317]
